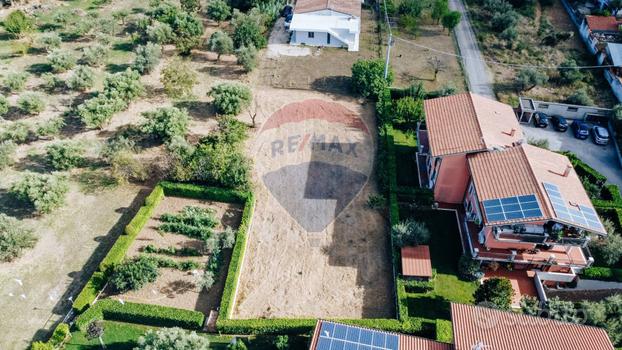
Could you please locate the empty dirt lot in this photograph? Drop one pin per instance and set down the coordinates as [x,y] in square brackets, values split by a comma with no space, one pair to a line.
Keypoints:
[315,249]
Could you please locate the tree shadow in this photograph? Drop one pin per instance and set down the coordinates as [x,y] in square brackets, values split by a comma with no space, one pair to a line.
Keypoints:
[37,163]
[335,84]
[200,110]
[223,71]
[123,46]
[116,68]
[11,206]
[14,114]
[39,68]
[177,287]
[49,27]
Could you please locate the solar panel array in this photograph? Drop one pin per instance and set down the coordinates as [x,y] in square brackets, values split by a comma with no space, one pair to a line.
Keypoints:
[512,208]
[582,216]
[335,336]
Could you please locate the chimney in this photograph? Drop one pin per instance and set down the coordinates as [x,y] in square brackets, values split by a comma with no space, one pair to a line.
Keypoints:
[567,171]
[511,133]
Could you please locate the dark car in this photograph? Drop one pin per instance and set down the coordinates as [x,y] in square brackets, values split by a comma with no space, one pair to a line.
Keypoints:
[601,135]
[559,123]
[540,120]
[287,10]
[580,130]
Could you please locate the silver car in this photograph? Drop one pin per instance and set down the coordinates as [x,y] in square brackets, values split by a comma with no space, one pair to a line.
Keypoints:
[601,135]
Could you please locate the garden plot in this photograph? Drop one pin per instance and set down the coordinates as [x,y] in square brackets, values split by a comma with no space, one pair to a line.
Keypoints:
[179,287]
[314,249]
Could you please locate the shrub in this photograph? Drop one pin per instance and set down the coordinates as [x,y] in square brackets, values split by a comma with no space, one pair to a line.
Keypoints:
[227,238]
[52,82]
[528,78]
[218,10]
[193,222]
[450,20]
[7,153]
[97,112]
[603,274]
[95,55]
[61,60]
[281,342]
[125,167]
[502,21]
[147,57]
[469,268]
[206,281]
[190,5]
[83,78]
[580,97]
[134,274]
[497,292]
[444,331]
[39,345]
[160,33]
[18,23]
[65,155]
[60,334]
[368,78]
[31,103]
[231,98]
[410,232]
[178,79]
[18,132]
[248,30]
[166,122]
[44,192]
[16,82]
[408,110]
[124,85]
[49,41]
[570,74]
[220,43]
[172,338]
[14,238]
[4,106]
[247,57]
[609,249]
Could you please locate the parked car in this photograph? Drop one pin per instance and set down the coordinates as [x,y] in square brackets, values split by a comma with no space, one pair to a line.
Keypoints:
[287,10]
[559,123]
[601,135]
[540,120]
[580,129]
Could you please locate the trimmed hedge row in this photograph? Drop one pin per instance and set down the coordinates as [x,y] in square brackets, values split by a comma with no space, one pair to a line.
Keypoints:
[391,166]
[202,192]
[151,315]
[603,274]
[444,331]
[89,292]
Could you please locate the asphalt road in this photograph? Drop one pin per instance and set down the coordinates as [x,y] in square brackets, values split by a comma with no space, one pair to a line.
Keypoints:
[478,76]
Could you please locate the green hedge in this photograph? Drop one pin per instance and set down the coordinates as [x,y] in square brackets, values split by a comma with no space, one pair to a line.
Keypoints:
[203,192]
[444,331]
[603,274]
[89,292]
[151,315]
[611,192]
[391,168]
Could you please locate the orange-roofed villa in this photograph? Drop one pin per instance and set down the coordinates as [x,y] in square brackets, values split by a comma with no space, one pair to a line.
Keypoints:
[519,204]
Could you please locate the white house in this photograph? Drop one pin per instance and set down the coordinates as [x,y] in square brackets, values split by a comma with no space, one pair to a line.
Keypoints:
[334,23]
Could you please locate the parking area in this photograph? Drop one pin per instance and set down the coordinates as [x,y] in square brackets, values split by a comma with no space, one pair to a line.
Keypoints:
[602,158]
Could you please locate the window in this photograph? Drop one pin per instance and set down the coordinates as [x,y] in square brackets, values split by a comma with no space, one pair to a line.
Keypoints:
[311,34]
[572,109]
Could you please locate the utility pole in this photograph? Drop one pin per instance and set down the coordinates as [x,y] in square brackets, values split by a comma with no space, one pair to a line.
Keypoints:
[386,64]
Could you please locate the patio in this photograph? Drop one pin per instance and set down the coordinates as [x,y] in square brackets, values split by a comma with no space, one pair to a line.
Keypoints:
[522,283]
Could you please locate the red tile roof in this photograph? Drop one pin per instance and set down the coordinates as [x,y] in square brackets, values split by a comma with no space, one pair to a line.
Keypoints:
[502,330]
[465,123]
[604,24]
[416,261]
[348,7]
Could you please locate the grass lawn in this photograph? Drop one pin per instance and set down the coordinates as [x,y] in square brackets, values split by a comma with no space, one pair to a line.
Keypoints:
[445,251]
[405,149]
[403,138]
[121,336]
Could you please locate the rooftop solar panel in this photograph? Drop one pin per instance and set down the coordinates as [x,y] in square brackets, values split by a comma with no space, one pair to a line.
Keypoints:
[335,336]
[512,208]
[582,216]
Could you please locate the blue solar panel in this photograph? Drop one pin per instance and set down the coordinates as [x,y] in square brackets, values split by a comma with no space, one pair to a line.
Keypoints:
[512,208]
[582,216]
[341,337]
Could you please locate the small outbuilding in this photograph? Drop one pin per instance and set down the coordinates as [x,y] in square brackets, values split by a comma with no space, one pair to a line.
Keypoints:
[416,263]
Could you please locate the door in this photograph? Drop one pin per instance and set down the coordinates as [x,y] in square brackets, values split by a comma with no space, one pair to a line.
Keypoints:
[328,38]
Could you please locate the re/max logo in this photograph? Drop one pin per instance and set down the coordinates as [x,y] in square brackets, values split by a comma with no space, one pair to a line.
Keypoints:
[296,143]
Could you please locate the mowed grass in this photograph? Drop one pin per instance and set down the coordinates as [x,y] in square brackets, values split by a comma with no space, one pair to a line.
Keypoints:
[122,336]
[445,251]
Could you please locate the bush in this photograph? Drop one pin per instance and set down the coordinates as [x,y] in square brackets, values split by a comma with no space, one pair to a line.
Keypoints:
[65,155]
[166,123]
[49,41]
[18,23]
[502,21]
[147,57]
[95,55]
[83,78]
[18,132]
[124,85]
[408,110]
[231,98]
[220,43]
[218,10]
[124,167]
[409,233]
[609,249]
[450,20]
[247,57]
[193,222]
[134,274]
[571,74]
[206,281]
[14,238]
[178,79]
[469,268]
[60,334]
[172,338]
[31,103]
[580,97]
[496,292]
[7,154]
[16,82]
[44,192]
[97,112]
[160,33]
[4,106]
[368,78]
[528,78]
[52,82]
[248,29]
[444,331]
[603,274]
[61,60]
[39,345]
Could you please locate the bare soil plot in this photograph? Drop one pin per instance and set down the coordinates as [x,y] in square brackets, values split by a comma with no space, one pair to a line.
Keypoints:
[315,249]
[173,287]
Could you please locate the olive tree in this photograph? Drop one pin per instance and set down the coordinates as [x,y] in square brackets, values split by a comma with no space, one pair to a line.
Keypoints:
[31,103]
[248,29]
[220,43]
[83,78]
[15,81]
[165,123]
[147,57]
[7,153]
[528,78]
[44,192]
[231,98]
[218,10]
[95,55]
[4,106]
[178,79]
[368,77]
[450,20]
[61,60]
[49,41]
[172,338]
[65,155]
[247,57]
[14,238]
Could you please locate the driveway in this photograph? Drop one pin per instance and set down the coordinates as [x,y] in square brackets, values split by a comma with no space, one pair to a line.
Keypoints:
[478,76]
[278,43]
[601,158]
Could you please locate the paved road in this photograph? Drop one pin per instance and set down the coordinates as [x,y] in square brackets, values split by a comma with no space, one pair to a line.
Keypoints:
[478,76]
